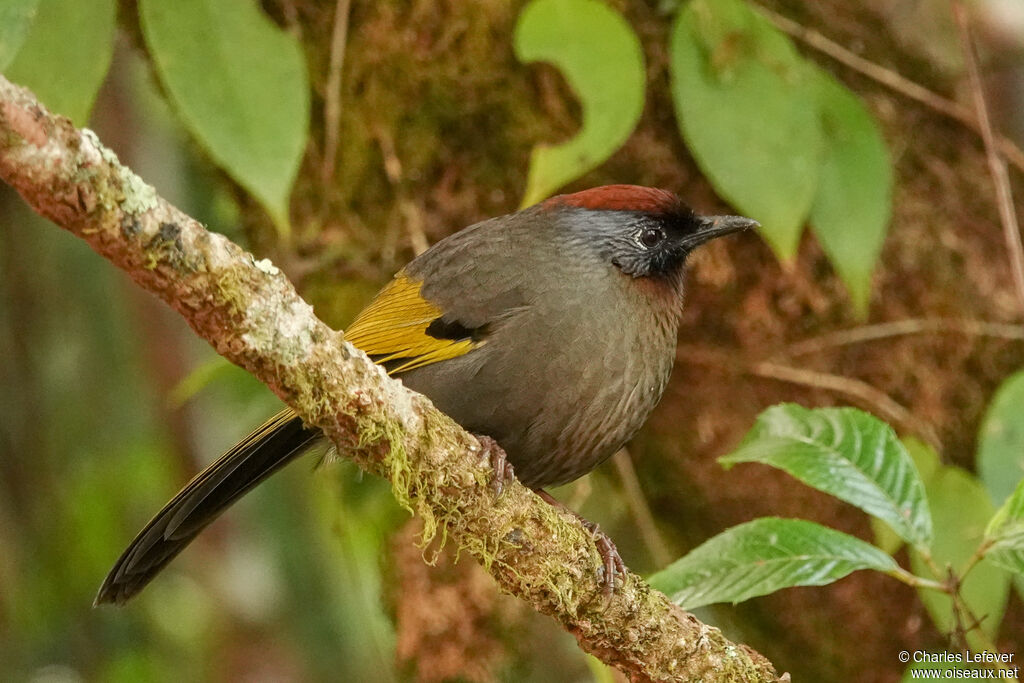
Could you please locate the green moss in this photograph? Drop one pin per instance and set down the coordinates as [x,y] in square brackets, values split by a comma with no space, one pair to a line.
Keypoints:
[395,461]
[411,488]
[234,290]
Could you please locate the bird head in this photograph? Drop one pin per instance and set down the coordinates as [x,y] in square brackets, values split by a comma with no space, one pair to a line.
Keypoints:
[644,232]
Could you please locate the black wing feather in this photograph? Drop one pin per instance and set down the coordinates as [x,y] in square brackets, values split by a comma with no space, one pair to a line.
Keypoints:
[276,443]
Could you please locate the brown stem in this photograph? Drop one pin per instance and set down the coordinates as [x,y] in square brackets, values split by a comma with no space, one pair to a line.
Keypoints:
[332,98]
[996,165]
[878,400]
[908,326]
[642,515]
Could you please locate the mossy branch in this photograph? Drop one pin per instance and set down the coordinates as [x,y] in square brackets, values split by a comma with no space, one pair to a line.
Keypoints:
[252,315]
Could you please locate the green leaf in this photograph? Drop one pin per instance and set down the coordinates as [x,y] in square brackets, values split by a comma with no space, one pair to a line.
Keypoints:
[66,54]
[1001,440]
[763,556]
[240,85]
[1005,533]
[602,61]
[885,538]
[747,105]
[847,453]
[16,17]
[961,510]
[926,460]
[851,209]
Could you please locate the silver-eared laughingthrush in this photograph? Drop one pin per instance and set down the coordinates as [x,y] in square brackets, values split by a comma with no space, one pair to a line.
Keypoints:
[551,330]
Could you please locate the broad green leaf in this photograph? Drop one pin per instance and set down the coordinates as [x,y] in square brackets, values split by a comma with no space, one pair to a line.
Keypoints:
[602,61]
[847,453]
[961,509]
[16,17]
[747,105]
[851,209]
[926,460]
[240,85]
[885,538]
[1006,533]
[763,556]
[1001,440]
[66,54]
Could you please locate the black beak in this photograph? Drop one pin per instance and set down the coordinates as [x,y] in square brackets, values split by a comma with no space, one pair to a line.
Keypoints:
[717,226]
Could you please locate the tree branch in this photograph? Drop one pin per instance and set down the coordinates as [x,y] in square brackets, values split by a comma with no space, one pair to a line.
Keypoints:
[252,315]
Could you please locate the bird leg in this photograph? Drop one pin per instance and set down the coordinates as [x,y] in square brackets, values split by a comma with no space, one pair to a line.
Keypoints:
[612,563]
[495,454]
[614,567]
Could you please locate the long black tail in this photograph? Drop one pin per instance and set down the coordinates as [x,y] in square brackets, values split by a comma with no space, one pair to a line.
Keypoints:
[276,443]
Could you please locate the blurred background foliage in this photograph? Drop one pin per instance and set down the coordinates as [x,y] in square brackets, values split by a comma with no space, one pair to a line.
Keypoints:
[420,118]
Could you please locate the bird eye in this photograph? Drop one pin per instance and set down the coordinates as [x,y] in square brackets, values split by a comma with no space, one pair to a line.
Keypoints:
[650,237]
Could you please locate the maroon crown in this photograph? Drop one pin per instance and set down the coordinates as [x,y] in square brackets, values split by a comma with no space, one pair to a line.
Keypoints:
[619,198]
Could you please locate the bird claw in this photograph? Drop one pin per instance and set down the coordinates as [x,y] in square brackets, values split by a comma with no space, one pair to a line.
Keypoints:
[614,567]
[498,459]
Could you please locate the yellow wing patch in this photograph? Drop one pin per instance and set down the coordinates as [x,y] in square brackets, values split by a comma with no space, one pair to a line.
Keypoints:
[393,329]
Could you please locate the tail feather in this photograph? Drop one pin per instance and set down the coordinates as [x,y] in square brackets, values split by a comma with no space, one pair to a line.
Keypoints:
[276,443]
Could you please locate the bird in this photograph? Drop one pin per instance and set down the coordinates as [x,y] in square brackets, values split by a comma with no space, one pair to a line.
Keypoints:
[549,332]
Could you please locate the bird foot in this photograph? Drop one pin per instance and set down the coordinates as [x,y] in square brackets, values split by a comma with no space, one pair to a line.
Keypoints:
[496,456]
[613,567]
